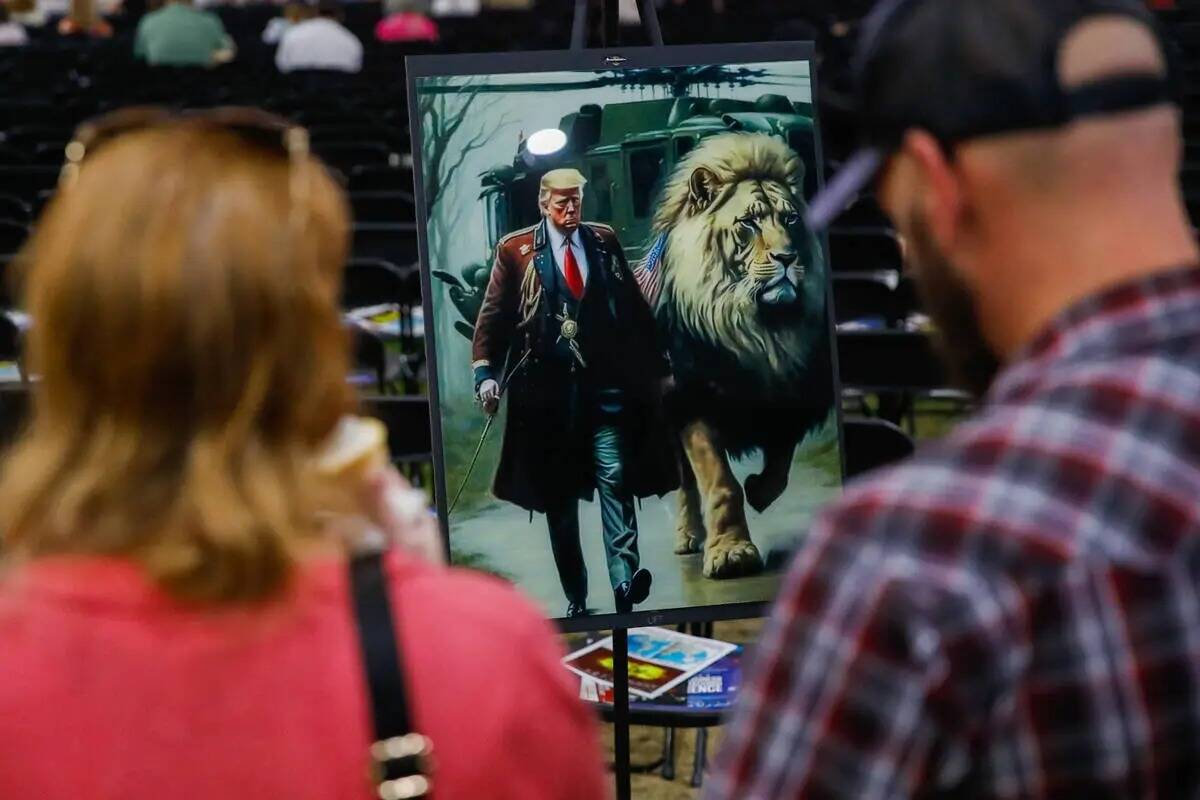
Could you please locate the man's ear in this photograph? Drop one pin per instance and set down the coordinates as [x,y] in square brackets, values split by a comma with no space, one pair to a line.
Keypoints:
[703,185]
[939,188]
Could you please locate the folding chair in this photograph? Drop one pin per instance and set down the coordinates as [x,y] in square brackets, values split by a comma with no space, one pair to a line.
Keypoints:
[14,208]
[410,442]
[50,154]
[393,207]
[370,359]
[7,292]
[14,411]
[394,242]
[896,365]
[10,346]
[866,298]
[12,236]
[370,281]
[381,179]
[37,113]
[373,282]
[889,361]
[869,444]
[863,251]
[28,182]
[14,156]
[28,137]
[332,134]
[863,215]
[348,155]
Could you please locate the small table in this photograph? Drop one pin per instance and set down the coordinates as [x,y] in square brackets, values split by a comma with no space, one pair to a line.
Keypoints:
[686,706]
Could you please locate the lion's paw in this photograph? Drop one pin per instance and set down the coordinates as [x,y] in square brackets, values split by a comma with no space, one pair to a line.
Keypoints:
[732,558]
[761,492]
[688,542]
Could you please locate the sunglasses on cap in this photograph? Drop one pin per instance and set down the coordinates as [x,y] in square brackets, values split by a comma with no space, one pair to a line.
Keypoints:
[255,127]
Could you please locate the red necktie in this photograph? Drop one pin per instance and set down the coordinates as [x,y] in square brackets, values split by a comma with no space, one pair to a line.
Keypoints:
[571,272]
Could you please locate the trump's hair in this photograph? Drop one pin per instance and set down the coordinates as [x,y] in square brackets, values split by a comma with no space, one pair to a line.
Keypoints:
[190,359]
[560,180]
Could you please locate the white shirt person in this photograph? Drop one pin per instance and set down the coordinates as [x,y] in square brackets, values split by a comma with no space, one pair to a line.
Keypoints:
[320,43]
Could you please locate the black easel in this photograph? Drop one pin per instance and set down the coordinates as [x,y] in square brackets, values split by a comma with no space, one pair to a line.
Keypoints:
[611,23]
[610,37]
[621,757]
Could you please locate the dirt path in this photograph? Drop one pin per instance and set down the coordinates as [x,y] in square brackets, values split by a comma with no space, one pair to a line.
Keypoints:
[501,538]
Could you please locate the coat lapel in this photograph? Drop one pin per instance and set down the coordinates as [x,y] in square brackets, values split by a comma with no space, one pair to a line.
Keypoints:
[543,259]
[599,264]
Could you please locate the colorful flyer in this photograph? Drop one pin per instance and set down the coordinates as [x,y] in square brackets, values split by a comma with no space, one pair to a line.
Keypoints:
[659,660]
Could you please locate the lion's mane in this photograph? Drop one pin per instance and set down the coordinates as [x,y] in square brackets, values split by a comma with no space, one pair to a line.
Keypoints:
[718,341]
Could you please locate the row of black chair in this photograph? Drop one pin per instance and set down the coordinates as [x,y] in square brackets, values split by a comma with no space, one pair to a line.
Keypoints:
[868,443]
[380,241]
[388,207]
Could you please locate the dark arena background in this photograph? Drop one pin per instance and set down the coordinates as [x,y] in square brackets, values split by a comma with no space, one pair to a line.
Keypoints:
[893,392]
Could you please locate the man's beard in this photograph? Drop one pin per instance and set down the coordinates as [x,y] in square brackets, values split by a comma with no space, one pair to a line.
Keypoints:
[970,361]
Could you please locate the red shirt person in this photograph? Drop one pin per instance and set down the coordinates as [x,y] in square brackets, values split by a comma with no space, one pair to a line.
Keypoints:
[174,610]
[1013,612]
[107,681]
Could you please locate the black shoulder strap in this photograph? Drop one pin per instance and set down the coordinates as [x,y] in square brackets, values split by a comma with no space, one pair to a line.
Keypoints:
[401,755]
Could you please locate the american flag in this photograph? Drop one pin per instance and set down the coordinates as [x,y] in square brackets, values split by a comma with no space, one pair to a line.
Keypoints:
[648,273]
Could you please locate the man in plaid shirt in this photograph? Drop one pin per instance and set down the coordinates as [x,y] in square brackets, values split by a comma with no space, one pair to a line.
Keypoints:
[1015,612]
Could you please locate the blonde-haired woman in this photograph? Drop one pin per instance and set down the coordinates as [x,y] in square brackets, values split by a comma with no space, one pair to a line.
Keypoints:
[83,19]
[175,618]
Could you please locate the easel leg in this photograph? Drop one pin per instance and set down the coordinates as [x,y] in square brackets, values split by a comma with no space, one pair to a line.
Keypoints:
[650,22]
[612,23]
[701,761]
[621,713]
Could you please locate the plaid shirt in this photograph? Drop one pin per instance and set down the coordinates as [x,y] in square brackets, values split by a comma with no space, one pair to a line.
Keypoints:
[1016,611]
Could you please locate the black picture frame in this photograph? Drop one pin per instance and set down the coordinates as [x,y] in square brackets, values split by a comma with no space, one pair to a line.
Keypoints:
[418,67]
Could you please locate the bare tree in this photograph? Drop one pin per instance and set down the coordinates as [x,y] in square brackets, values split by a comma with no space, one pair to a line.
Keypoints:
[445,149]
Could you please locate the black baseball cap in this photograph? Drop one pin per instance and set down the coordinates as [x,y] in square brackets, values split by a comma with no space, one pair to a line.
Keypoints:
[961,69]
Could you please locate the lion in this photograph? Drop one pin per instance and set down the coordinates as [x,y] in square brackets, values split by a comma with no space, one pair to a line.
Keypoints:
[743,312]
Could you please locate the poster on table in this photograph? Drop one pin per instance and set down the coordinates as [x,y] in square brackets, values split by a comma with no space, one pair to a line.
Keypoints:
[659,660]
[631,360]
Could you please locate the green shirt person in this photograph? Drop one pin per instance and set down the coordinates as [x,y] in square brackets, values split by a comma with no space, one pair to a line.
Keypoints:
[178,35]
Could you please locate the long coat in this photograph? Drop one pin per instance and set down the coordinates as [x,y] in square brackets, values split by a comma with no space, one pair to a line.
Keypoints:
[547,455]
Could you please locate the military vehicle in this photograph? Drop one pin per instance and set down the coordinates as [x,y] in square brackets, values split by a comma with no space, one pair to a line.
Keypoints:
[626,151]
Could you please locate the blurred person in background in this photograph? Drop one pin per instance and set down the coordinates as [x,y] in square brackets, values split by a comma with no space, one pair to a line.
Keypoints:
[321,42]
[12,33]
[27,13]
[54,9]
[406,21]
[1013,612]
[293,14]
[84,19]
[179,35]
[175,618]
[456,8]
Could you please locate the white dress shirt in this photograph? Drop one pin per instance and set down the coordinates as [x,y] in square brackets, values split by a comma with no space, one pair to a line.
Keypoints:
[319,43]
[456,8]
[558,243]
[12,34]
